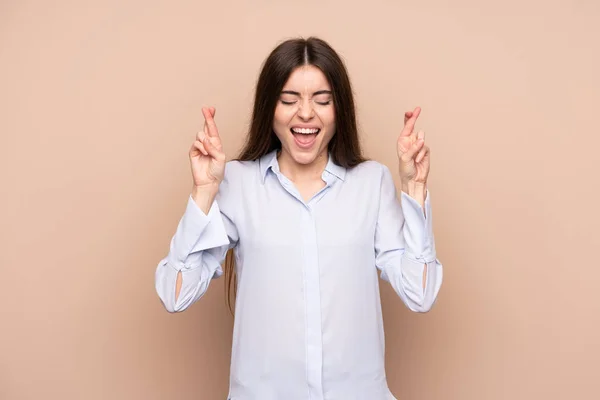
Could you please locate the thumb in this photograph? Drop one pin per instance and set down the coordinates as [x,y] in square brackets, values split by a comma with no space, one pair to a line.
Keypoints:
[414,149]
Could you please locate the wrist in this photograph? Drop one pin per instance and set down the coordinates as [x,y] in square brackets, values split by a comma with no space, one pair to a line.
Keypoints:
[204,196]
[416,190]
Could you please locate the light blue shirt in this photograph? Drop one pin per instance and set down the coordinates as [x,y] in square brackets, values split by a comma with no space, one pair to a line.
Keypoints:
[308,321]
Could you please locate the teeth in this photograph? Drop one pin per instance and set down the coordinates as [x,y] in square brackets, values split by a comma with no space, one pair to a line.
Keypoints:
[305,131]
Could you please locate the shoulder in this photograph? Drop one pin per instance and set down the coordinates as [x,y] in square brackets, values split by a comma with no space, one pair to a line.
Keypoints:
[370,170]
[372,176]
[239,174]
[235,169]
[238,177]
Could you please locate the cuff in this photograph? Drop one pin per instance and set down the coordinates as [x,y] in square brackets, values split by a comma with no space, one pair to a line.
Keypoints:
[197,231]
[418,228]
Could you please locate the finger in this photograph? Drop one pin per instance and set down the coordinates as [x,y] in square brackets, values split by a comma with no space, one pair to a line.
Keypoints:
[204,133]
[212,150]
[205,112]
[416,136]
[424,151]
[200,135]
[212,126]
[414,149]
[407,115]
[410,123]
[213,111]
[198,145]
[194,150]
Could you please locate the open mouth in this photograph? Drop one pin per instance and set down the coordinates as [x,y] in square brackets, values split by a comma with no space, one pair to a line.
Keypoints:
[305,137]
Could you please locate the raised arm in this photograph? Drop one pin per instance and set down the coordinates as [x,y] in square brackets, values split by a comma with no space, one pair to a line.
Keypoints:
[205,232]
[404,243]
[405,247]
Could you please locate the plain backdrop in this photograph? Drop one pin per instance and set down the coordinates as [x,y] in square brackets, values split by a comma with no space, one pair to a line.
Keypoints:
[100,101]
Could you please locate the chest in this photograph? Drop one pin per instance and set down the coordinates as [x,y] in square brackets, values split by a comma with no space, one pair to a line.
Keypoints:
[337,216]
[308,190]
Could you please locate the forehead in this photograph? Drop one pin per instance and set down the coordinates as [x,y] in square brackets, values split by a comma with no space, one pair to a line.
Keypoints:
[307,78]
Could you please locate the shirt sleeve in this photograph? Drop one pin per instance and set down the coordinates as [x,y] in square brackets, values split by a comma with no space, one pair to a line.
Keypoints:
[405,246]
[197,249]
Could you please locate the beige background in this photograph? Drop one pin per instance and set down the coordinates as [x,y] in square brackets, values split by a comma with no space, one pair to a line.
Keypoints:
[100,101]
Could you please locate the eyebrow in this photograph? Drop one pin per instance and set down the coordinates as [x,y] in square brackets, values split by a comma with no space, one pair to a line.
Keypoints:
[298,94]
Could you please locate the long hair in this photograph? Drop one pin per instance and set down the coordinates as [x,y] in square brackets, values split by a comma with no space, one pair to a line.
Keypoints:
[344,146]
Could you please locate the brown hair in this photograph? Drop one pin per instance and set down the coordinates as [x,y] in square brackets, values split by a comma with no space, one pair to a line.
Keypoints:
[344,146]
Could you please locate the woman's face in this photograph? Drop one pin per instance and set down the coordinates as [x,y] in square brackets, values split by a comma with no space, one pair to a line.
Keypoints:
[305,117]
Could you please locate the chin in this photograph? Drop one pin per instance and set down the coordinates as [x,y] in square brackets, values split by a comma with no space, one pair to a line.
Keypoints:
[305,157]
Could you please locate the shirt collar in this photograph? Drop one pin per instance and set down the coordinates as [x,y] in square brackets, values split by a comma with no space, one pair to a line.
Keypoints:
[269,161]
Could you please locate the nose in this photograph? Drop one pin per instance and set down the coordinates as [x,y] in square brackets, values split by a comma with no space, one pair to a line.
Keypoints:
[306,111]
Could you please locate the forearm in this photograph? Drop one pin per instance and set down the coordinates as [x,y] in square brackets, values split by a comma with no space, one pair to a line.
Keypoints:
[416,190]
[195,254]
[406,278]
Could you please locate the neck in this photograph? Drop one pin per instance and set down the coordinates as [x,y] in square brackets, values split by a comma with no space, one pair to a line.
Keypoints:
[297,172]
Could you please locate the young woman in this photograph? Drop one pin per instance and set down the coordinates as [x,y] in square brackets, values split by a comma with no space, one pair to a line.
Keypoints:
[304,223]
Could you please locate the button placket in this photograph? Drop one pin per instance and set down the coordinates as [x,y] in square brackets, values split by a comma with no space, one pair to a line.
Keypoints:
[314,345]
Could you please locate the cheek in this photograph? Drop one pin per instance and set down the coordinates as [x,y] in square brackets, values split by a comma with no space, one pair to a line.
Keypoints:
[283,115]
[281,121]
[330,133]
[327,116]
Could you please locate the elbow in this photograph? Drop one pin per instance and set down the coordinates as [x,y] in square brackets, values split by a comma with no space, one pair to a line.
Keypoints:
[424,301]
[169,305]
[421,308]
[172,306]
[166,288]
[173,310]
[421,303]
[168,298]
[175,303]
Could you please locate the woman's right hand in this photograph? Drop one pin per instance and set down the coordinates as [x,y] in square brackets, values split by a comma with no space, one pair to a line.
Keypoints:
[206,155]
[208,162]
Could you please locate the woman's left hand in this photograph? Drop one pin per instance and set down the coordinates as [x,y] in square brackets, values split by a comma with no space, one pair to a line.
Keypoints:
[413,154]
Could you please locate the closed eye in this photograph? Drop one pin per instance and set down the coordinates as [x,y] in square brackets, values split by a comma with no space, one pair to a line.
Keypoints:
[320,97]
